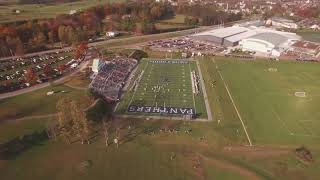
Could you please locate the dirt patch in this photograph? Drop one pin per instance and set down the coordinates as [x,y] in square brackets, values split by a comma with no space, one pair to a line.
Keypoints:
[7,113]
[232,167]
[256,152]
[3,163]
[304,154]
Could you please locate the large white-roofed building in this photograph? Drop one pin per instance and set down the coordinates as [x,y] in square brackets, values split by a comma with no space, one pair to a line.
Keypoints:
[218,36]
[269,42]
[259,39]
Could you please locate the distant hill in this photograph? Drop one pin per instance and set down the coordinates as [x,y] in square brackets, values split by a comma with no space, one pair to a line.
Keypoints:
[42,1]
[12,2]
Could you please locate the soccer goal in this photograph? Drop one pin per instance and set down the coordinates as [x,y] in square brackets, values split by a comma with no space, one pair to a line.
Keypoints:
[273,70]
[300,94]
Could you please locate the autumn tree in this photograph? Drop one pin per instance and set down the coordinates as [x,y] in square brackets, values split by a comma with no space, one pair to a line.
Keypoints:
[48,71]
[30,76]
[80,122]
[65,118]
[80,50]
[62,34]
[72,120]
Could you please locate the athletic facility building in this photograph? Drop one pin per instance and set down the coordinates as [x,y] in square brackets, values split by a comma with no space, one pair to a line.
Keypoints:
[258,39]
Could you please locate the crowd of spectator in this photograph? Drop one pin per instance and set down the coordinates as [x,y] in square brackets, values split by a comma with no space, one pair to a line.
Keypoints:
[112,77]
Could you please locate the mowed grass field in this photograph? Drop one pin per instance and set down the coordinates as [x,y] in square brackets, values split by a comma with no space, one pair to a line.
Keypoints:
[160,156]
[271,112]
[166,85]
[41,11]
[38,103]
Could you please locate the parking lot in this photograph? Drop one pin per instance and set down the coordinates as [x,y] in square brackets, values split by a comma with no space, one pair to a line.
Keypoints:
[185,44]
[14,72]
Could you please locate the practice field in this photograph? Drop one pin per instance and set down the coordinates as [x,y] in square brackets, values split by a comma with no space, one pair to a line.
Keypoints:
[41,11]
[164,87]
[265,95]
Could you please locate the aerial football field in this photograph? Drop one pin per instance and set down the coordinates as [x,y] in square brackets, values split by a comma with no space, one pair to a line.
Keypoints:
[278,102]
[163,87]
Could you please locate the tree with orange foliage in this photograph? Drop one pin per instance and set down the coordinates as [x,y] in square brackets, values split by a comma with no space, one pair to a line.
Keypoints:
[62,67]
[31,76]
[81,50]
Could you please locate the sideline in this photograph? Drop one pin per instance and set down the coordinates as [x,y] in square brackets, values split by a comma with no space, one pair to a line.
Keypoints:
[205,96]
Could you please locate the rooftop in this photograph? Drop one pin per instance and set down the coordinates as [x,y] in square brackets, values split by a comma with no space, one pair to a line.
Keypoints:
[273,38]
[223,32]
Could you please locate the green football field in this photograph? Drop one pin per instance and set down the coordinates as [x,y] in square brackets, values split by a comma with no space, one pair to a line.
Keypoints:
[163,84]
[264,94]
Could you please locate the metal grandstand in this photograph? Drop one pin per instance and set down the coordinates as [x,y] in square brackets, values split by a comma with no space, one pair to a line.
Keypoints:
[112,76]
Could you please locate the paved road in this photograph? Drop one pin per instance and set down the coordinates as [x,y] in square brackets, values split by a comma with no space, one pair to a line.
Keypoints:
[188,31]
[105,42]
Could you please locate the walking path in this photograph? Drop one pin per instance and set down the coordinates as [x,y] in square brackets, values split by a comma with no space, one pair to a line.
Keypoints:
[45,115]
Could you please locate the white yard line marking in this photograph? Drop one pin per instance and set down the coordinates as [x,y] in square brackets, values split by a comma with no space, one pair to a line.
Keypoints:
[234,105]
[137,89]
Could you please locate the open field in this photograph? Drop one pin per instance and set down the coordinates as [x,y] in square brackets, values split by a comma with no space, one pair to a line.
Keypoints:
[164,27]
[36,11]
[177,19]
[157,156]
[13,129]
[161,156]
[163,84]
[266,100]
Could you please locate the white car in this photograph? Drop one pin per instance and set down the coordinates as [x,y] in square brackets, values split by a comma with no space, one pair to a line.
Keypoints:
[74,65]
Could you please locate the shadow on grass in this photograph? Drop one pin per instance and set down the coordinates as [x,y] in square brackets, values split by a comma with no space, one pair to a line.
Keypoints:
[16,146]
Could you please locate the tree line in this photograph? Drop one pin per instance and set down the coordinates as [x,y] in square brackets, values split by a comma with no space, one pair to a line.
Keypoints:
[135,16]
[44,1]
[209,14]
[34,35]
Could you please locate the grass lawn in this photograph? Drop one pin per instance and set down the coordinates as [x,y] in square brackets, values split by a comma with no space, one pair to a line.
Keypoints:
[38,103]
[177,19]
[10,130]
[171,27]
[150,157]
[310,36]
[200,155]
[78,81]
[266,101]
[143,157]
[36,11]
[164,85]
